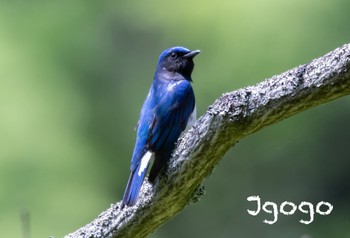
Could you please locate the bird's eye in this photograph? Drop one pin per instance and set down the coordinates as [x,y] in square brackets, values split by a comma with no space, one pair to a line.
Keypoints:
[173,55]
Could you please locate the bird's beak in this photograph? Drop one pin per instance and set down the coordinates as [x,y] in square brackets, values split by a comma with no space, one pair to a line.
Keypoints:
[192,54]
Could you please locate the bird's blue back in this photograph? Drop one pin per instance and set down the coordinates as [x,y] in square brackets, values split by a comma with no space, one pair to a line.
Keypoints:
[164,116]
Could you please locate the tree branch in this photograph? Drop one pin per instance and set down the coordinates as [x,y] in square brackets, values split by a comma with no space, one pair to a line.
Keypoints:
[231,118]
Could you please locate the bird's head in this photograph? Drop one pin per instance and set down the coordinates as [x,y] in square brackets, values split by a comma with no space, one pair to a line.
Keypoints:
[178,60]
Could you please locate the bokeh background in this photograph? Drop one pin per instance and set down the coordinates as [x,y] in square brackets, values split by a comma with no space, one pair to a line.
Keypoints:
[74,74]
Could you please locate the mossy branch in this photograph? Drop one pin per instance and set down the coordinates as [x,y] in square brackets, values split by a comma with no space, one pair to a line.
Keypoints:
[231,118]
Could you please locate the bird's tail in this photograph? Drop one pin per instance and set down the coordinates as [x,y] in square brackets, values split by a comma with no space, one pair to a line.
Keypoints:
[135,181]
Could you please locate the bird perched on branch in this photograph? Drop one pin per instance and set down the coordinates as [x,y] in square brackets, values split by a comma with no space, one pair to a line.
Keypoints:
[168,110]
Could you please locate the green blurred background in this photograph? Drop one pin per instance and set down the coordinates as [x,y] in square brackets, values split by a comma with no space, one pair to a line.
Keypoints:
[74,74]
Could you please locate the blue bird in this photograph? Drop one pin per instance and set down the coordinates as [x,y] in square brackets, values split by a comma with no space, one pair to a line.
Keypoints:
[168,110]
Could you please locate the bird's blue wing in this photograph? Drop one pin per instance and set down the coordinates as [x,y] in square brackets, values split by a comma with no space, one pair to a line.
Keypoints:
[141,156]
[143,125]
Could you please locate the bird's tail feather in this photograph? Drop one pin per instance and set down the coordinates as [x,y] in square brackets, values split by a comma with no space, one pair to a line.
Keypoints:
[135,181]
